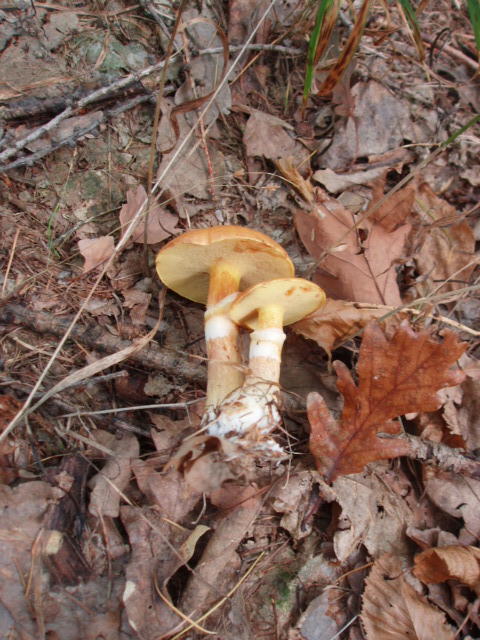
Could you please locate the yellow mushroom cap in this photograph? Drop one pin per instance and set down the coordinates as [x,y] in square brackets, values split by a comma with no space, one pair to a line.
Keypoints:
[184,264]
[290,298]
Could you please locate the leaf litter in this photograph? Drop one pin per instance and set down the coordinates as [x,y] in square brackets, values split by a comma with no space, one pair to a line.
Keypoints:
[348,537]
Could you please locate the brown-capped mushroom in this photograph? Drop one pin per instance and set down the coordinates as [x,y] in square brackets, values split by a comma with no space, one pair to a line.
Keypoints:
[251,413]
[211,266]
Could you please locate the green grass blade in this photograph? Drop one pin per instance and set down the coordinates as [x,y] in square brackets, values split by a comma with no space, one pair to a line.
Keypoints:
[322,12]
[474,11]
[411,17]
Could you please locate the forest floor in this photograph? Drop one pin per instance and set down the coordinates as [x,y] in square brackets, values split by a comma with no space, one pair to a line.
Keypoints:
[369,525]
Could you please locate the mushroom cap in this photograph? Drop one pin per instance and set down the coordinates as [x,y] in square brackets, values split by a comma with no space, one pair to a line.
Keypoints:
[185,263]
[296,297]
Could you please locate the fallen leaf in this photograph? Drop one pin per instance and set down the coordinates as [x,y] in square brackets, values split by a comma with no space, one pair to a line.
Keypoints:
[352,269]
[266,135]
[372,515]
[382,123]
[110,482]
[292,499]
[96,251]
[447,563]
[338,182]
[458,497]
[219,560]
[138,301]
[395,377]
[448,251]
[336,322]
[154,544]
[325,616]
[192,172]
[393,610]
[161,223]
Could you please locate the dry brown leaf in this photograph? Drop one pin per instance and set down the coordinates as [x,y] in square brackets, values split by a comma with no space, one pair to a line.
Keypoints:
[96,251]
[336,322]
[379,124]
[161,223]
[109,483]
[265,135]
[447,563]
[448,250]
[372,515]
[153,543]
[395,377]
[325,616]
[393,610]
[138,301]
[357,271]
[457,496]
[219,556]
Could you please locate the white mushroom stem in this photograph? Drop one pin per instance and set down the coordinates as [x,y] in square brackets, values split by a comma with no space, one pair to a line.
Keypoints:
[248,415]
[224,358]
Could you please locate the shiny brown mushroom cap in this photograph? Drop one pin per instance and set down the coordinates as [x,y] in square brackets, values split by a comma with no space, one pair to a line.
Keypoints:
[186,263]
[285,300]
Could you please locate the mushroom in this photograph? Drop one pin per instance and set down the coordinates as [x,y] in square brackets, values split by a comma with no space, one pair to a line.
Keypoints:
[211,266]
[250,414]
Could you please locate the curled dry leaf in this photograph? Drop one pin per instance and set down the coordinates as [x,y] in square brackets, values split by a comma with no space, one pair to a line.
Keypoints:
[395,377]
[372,515]
[289,171]
[161,223]
[96,251]
[336,322]
[446,563]
[393,610]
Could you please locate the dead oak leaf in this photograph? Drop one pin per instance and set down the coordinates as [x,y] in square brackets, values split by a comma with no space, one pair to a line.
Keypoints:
[161,223]
[395,377]
[393,610]
[446,563]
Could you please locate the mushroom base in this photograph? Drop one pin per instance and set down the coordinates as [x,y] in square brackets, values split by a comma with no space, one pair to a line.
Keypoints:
[247,417]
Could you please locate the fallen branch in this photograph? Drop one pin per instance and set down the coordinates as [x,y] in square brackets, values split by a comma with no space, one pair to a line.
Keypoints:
[94,96]
[443,456]
[78,133]
[95,338]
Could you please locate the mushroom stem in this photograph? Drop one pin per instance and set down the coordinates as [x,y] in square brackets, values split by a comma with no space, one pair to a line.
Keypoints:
[266,353]
[224,280]
[224,358]
[248,415]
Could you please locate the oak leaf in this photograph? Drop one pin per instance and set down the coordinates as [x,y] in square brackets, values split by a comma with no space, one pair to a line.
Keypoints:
[446,563]
[393,610]
[397,376]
